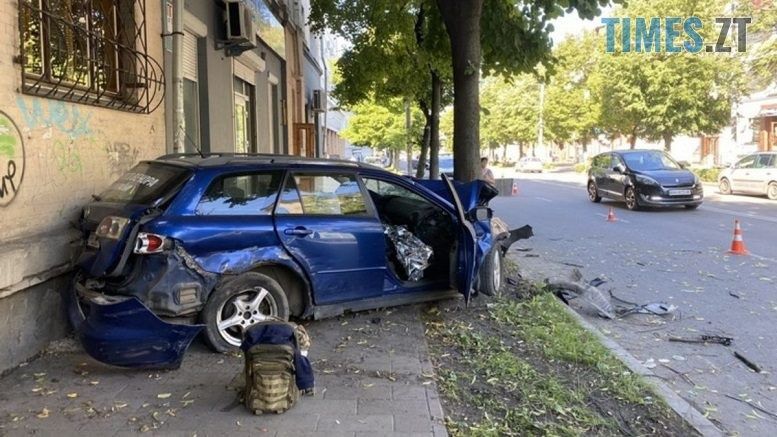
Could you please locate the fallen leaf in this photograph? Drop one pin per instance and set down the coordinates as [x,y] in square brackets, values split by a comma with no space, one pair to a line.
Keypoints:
[44,413]
[72,395]
[163,395]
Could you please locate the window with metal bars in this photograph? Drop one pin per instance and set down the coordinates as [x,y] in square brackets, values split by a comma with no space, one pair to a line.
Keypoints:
[89,51]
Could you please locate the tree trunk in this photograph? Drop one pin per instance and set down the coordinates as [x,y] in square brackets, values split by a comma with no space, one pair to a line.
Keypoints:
[667,141]
[633,140]
[409,147]
[434,139]
[504,153]
[520,150]
[419,171]
[462,22]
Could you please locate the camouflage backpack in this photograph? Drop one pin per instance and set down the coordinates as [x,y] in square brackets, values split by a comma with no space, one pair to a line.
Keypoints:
[276,368]
[270,384]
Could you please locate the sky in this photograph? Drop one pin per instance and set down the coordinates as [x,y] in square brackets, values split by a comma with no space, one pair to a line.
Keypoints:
[571,24]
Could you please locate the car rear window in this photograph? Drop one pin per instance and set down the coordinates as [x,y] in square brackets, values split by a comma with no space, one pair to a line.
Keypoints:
[244,194]
[145,183]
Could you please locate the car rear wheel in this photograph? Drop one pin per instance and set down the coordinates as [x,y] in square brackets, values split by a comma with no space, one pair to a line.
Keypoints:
[725,186]
[593,193]
[771,191]
[240,303]
[631,199]
[492,272]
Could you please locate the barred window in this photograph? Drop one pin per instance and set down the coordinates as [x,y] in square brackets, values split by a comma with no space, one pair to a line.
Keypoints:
[89,51]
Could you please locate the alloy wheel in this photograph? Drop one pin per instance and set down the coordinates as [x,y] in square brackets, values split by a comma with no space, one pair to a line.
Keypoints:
[497,276]
[724,187]
[243,310]
[631,198]
[771,191]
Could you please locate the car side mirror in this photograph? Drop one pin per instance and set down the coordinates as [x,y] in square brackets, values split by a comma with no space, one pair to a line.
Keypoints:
[684,164]
[480,213]
[620,168]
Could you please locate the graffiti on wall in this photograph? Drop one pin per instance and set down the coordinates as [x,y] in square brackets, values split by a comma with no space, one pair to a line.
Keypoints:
[11,159]
[65,118]
[66,156]
[121,157]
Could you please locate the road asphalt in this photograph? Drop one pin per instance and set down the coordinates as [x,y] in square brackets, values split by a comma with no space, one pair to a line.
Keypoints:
[676,256]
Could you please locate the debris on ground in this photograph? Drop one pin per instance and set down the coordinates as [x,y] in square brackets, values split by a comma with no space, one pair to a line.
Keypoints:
[755,367]
[588,293]
[705,339]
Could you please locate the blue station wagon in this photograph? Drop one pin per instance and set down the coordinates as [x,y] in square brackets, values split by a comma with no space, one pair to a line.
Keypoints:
[216,243]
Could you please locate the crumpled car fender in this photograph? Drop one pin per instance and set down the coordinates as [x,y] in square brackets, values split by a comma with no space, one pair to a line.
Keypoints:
[126,333]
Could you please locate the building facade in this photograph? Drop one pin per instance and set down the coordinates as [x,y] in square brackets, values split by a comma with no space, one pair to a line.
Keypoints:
[82,89]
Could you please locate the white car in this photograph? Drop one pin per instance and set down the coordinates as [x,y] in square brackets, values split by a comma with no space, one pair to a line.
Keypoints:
[529,164]
[755,173]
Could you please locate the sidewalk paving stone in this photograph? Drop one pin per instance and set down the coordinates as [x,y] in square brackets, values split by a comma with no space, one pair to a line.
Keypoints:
[372,378]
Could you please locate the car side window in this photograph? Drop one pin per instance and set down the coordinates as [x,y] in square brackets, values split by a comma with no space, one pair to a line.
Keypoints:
[763,161]
[244,194]
[616,160]
[603,162]
[322,194]
[384,188]
[747,162]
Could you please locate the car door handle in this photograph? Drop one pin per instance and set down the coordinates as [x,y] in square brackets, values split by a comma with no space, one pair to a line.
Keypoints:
[299,230]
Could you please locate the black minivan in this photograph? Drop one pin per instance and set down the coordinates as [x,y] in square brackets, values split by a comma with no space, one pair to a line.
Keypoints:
[643,178]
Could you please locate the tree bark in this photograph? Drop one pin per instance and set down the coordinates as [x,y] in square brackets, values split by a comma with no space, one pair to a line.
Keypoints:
[409,147]
[667,141]
[434,139]
[520,150]
[633,140]
[462,22]
[419,171]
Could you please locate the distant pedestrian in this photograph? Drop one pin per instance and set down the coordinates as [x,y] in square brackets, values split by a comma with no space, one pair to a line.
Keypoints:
[485,173]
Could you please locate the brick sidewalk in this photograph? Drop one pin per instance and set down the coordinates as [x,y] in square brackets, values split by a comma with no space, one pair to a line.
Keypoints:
[373,378]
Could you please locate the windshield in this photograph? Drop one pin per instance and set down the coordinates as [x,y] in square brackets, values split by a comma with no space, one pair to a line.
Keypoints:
[650,161]
[144,184]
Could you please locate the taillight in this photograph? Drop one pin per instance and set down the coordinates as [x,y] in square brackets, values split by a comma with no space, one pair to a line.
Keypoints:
[111,227]
[149,243]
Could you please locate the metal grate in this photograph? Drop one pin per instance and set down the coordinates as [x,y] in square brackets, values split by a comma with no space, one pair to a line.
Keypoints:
[89,51]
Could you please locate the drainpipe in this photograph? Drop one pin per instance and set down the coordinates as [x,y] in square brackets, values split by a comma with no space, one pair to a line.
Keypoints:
[179,126]
[326,94]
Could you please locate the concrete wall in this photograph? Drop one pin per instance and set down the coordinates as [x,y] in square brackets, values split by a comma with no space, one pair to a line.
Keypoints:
[67,152]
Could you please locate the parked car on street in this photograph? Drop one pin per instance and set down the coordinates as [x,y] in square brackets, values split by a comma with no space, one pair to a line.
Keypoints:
[755,174]
[217,243]
[643,178]
[530,164]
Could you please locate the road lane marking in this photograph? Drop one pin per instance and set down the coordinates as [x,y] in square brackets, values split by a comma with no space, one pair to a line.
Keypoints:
[763,258]
[616,219]
[738,213]
[544,199]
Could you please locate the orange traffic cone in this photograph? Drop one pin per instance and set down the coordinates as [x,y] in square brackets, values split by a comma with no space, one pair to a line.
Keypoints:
[515,189]
[738,245]
[611,216]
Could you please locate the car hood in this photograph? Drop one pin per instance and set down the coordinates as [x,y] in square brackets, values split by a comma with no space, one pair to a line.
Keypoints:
[670,178]
[471,194]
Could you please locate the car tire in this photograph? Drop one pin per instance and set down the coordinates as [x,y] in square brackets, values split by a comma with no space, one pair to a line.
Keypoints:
[771,191]
[77,310]
[724,186]
[632,203]
[593,193]
[492,272]
[239,303]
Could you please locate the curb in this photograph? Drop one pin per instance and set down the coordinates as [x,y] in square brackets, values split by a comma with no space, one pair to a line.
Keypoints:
[680,406]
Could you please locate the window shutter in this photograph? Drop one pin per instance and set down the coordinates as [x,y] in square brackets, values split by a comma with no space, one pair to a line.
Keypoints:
[190,56]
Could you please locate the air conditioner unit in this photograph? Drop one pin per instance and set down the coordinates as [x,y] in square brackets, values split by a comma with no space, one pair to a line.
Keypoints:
[240,24]
[318,101]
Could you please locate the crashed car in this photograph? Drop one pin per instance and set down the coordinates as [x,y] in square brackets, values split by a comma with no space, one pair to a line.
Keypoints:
[217,243]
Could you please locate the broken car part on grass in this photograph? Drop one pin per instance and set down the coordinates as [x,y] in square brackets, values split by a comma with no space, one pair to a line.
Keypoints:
[590,293]
[220,242]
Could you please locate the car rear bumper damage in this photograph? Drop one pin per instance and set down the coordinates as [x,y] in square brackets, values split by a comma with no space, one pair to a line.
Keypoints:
[121,331]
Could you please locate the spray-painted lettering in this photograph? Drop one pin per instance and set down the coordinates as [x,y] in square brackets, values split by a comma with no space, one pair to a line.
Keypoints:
[11,159]
[64,117]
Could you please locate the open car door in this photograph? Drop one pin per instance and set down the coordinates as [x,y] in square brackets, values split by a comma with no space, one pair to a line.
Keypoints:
[465,261]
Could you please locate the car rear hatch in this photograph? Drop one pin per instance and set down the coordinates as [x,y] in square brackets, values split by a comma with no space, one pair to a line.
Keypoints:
[113,218]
